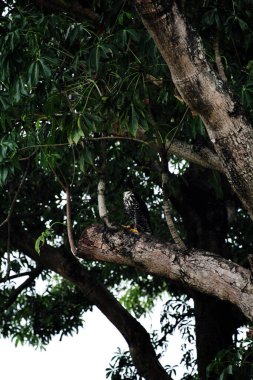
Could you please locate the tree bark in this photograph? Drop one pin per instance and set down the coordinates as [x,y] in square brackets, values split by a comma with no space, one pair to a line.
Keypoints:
[202,156]
[226,124]
[200,270]
[65,264]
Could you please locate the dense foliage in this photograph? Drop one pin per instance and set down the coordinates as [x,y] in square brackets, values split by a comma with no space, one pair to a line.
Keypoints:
[83,96]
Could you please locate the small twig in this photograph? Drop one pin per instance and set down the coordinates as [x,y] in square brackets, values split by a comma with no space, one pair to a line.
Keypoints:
[42,146]
[62,182]
[112,137]
[218,60]
[15,276]
[28,157]
[8,267]
[118,137]
[176,129]
[33,274]
[69,224]
[205,157]
[167,206]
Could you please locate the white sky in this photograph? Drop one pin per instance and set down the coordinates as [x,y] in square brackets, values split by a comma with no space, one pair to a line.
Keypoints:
[83,356]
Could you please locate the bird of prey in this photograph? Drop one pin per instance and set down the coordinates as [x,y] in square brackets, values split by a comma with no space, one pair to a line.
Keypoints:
[137,211]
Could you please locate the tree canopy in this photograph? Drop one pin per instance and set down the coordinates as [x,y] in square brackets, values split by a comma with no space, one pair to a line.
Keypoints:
[95,93]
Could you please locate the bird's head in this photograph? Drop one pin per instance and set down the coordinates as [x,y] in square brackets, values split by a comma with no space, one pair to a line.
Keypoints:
[128,184]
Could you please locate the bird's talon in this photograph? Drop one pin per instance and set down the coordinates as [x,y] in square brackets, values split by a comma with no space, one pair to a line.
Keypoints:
[133,230]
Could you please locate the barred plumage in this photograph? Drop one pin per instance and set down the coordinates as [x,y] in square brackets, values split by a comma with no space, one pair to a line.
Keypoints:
[137,212]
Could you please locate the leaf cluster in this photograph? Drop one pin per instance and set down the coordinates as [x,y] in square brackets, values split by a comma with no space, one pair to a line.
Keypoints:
[36,318]
[65,85]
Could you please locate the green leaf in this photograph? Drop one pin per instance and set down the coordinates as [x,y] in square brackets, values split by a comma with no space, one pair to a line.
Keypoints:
[79,122]
[45,69]
[81,164]
[77,135]
[30,71]
[89,123]
[244,26]
[88,157]
[33,73]
[134,122]
[39,242]
[36,73]
[134,34]
[94,58]
[4,171]
[38,124]
[4,102]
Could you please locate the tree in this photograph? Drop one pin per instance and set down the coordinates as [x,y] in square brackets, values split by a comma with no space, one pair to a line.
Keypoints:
[88,101]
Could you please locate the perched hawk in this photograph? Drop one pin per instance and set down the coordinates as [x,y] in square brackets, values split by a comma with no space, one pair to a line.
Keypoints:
[137,212]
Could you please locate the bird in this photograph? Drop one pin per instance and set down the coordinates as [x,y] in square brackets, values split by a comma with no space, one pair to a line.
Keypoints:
[137,211]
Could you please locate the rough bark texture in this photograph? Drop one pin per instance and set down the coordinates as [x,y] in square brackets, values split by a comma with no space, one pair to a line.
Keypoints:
[226,124]
[198,269]
[199,155]
[66,265]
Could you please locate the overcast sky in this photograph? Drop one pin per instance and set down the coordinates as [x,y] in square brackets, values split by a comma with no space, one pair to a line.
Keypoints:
[83,356]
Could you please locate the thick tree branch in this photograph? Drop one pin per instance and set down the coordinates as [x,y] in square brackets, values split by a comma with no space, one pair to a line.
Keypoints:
[200,270]
[65,264]
[225,121]
[15,276]
[14,295]
[201,156]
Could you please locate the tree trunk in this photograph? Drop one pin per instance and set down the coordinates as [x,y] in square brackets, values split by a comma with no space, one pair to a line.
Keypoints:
[206,222]
[201,89]
[215,324]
